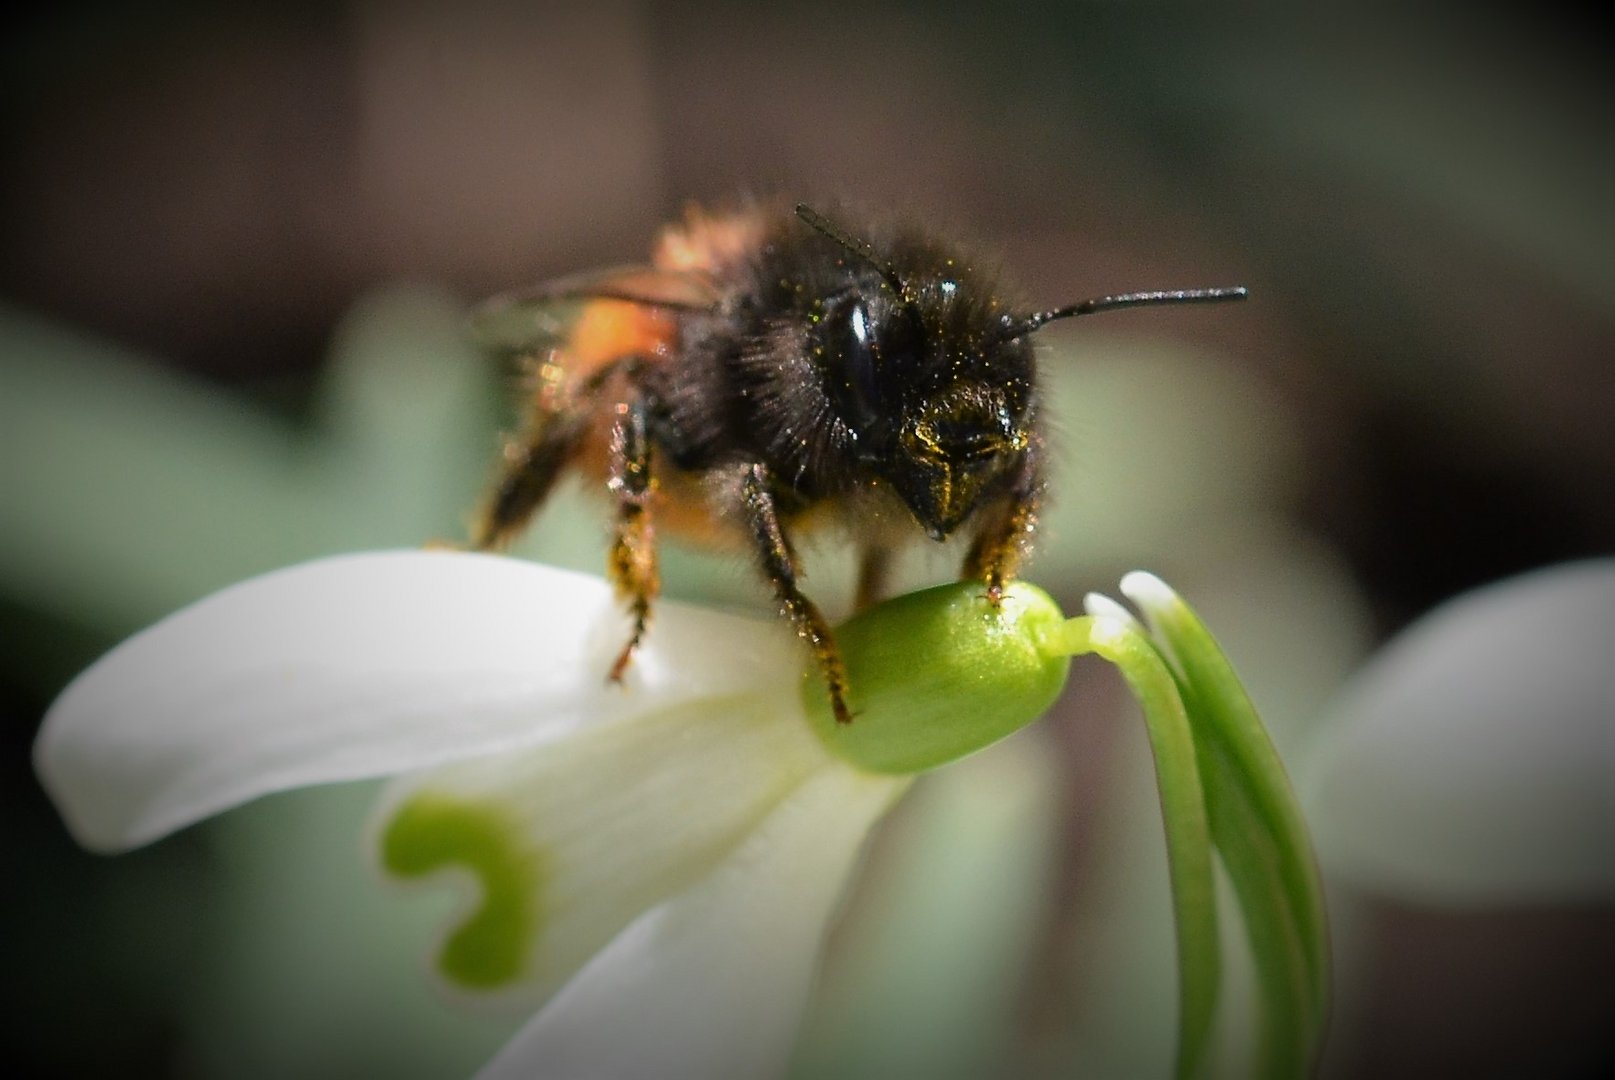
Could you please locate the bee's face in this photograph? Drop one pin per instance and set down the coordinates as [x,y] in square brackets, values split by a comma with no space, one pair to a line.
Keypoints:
[940,404]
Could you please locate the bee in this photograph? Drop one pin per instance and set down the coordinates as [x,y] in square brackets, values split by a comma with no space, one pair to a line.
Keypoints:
[772,372]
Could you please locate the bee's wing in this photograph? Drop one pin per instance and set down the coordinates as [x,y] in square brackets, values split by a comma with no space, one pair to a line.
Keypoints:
[538,317]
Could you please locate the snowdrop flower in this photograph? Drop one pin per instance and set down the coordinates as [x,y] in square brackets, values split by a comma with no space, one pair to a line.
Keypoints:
[653,866]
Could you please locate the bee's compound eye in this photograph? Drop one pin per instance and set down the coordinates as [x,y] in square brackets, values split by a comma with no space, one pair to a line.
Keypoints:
[860,354]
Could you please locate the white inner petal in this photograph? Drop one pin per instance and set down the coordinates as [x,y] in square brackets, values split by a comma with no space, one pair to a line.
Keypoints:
[713,983]
[622,815]
[361,666]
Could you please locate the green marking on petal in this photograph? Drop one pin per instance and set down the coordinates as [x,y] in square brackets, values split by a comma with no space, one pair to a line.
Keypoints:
[431,832]
[939,674]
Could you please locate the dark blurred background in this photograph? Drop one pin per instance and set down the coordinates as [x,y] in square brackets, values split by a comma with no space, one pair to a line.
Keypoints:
[1422,203]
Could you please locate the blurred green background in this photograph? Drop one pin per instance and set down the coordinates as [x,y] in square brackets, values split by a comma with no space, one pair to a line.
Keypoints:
[239,243]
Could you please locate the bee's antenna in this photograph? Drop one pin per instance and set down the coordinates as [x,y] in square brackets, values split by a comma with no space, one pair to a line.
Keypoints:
[1014,328]
[860,248]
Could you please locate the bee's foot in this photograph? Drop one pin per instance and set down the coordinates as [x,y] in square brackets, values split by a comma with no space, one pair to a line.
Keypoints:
[619,667]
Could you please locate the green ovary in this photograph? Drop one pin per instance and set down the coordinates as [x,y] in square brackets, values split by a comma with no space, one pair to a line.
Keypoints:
[939,674]
[432,832]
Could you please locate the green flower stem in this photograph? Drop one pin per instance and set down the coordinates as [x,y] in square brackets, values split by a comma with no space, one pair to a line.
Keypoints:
[1289,1020]
[1260,834]
[1183,810]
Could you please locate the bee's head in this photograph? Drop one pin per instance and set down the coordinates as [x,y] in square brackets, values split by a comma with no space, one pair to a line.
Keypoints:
[934,377]
[955,450]
[940,409]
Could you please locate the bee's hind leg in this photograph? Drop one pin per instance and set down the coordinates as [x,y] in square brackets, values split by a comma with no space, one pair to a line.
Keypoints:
[529,469]
[536,458]
[631,563]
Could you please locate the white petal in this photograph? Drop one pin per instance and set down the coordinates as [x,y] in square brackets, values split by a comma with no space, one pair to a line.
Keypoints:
[1474,759]
[712,984]
[360,666]
[1101,606]
[1155,600]
[574,840]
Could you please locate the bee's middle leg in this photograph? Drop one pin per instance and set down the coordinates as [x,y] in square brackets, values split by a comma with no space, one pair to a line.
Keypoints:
[631,563]
[779,563]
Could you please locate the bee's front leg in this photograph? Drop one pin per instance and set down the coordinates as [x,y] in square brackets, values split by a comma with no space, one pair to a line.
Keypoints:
[631,563]
[1006,533]
[779,563]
